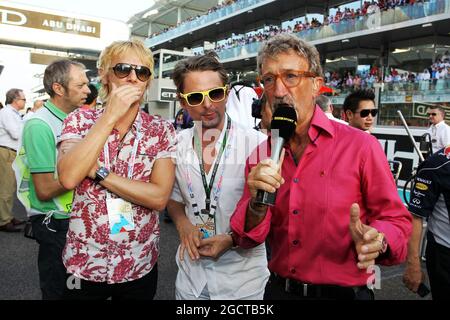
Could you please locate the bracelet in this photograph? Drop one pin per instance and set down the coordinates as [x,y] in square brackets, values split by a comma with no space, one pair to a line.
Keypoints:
[257,213]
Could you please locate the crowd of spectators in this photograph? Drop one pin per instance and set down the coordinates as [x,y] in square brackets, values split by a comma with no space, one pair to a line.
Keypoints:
[436,76]
[342,14]
[368,7]
[348,80]
[217,7]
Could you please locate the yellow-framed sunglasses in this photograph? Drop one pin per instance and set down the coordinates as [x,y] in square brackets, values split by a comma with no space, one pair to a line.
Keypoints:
[196,98]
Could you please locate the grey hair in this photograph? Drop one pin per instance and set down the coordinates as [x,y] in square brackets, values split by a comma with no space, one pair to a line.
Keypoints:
[12,94]
[323,102]
[59,72]
[282,43]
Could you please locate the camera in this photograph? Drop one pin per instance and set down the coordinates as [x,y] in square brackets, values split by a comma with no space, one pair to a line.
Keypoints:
[256,108]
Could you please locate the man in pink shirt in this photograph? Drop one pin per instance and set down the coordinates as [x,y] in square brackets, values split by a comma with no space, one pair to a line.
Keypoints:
[337,211]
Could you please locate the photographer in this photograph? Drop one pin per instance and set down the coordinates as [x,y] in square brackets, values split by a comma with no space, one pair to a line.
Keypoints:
[261,110]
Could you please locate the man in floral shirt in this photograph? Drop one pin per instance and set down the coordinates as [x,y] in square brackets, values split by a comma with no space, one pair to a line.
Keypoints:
[118,159]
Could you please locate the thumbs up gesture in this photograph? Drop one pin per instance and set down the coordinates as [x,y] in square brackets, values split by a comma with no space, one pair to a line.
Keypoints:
[368,240]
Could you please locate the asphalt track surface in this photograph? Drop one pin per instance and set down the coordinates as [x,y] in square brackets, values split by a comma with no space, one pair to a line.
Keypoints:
[19,276]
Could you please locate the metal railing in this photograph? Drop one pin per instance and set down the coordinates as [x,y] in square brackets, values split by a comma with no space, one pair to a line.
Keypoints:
[372,21]
[421,91]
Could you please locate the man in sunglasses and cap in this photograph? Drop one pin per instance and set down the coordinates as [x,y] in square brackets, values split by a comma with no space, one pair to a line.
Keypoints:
[210,179]
[359,108]
[337,211]
[122,170]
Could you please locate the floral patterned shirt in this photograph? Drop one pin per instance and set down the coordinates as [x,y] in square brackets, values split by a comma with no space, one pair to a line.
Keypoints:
[91,252]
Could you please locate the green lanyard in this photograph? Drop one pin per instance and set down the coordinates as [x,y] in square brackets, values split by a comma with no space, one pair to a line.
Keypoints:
[208,188]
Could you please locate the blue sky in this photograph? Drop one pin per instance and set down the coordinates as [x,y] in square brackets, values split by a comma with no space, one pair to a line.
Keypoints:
[113,9]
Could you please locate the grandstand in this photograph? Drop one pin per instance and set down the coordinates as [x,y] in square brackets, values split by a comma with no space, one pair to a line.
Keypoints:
[401,36]
[400,48]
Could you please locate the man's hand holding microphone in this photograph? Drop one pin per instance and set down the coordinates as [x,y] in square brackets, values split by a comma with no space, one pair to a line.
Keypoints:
[265,178]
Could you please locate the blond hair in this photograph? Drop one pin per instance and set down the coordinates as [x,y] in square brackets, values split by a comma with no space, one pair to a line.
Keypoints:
[118,49]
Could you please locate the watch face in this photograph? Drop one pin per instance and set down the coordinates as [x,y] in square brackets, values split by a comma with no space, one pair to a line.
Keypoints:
[102,173]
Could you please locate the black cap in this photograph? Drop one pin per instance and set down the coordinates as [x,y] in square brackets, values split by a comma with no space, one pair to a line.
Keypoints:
[284,119]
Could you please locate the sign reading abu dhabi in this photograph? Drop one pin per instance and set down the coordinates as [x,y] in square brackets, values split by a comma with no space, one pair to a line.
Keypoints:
[49,22]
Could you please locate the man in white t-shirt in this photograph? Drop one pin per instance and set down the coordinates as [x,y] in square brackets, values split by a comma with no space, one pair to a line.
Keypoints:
[210,179]
[439,130]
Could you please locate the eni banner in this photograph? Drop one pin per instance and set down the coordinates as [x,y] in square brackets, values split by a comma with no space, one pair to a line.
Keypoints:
[49,22]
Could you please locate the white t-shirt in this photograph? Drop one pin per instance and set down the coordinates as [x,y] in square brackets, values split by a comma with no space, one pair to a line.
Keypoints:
[440,135]
[238,273]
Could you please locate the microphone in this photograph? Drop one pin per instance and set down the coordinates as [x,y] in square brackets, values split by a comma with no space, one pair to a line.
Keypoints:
[284,122]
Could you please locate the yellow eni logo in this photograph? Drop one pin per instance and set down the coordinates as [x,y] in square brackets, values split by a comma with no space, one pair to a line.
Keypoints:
[421,186]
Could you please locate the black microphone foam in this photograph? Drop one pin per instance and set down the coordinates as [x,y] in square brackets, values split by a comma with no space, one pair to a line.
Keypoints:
[284,122]
[284,119]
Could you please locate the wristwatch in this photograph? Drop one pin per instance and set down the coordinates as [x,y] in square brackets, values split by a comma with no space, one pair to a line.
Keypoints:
[101,174]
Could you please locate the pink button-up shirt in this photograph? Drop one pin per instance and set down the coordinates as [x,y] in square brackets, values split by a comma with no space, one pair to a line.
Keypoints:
[308,228]
[92,253]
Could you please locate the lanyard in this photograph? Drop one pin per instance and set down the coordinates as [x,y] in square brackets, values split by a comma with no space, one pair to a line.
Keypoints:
[206,186]
[216,190]
[133,152]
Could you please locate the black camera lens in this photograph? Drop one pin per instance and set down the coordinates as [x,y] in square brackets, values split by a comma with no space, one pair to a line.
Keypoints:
[256,108]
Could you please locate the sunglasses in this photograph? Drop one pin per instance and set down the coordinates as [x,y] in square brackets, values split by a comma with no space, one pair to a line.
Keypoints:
[290,78]
[122,70]
[434,114]
[365,112]
[195,99]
